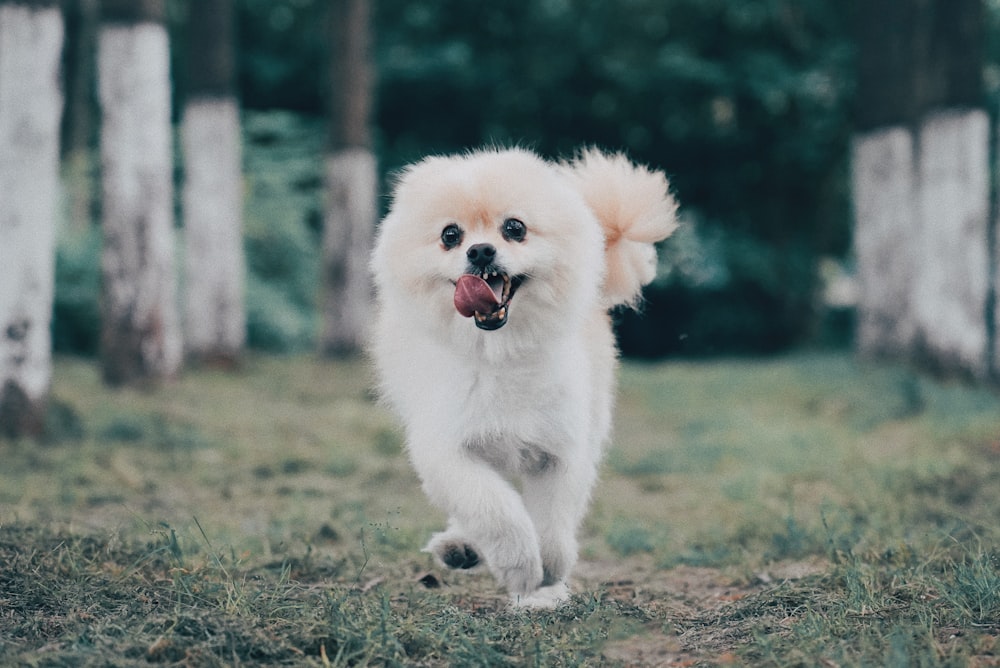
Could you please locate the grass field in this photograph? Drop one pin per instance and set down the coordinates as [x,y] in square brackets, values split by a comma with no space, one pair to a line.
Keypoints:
[801,510]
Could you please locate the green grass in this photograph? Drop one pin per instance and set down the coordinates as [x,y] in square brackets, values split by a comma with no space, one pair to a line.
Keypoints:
[801,510]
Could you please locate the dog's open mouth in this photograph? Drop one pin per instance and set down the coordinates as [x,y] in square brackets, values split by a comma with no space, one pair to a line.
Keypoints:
[485,297]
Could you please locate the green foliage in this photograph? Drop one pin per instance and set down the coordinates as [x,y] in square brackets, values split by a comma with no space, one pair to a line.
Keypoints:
[273,323]
[628,538]
[283,54]
[722,291]
[744,104]
[76,308]
[283,172]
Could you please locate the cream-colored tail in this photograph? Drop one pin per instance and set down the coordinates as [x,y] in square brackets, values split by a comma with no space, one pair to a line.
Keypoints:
[635,208]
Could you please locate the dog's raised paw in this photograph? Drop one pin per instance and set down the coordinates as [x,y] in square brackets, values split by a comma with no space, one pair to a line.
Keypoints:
[459,556]
[452,550]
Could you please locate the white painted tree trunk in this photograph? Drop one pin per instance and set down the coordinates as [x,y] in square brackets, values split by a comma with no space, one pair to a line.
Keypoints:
[995,275]
[921,242]
[953,281]
[30,108]
[885,240]
[215,316]
[351,185]
[141,337]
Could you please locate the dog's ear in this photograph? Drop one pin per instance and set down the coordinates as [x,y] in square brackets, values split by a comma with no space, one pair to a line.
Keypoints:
[424,171]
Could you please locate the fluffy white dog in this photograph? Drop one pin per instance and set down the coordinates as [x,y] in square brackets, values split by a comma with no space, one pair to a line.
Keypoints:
[495,272]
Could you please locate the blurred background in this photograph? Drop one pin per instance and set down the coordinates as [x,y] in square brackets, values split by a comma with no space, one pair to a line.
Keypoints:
[746,105]
[750,107]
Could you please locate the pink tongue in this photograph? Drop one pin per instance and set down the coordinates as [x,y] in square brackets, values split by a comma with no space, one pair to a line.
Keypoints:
[474,294]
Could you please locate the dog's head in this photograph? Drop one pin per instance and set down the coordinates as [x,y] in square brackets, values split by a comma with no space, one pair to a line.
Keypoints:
[496,236]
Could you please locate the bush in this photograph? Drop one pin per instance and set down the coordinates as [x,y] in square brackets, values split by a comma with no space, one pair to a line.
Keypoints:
[630,538]
[76,310]
[744,104]
[720,291]
[274,323]
[282,228]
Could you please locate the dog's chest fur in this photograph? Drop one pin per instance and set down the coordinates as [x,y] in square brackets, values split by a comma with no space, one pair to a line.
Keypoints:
[516,418]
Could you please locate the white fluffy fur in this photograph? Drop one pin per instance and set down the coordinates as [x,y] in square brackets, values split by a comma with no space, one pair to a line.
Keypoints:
[530,402]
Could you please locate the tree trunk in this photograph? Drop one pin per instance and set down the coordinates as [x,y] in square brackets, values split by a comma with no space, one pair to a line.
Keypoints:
[215,316]
[953,281]
[78,118]
[31,37]
[886,249]
[921,186]
[140,331]
[351,182]
[993,317]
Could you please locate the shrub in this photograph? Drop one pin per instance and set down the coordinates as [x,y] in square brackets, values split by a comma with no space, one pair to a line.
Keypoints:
[283,172]
[76,307]
[722,291]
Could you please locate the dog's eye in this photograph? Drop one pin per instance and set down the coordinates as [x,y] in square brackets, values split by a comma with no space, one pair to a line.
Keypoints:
[514,230]
[451,236]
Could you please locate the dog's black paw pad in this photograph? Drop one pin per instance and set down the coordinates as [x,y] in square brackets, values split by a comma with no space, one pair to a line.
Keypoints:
[460,556]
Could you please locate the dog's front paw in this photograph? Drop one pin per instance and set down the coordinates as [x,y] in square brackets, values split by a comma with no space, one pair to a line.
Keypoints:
[453,552]
[459,555]
[544,598]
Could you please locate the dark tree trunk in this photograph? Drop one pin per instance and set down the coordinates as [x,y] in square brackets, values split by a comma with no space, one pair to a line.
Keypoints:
[916,56]
[79,118]
[351,181]
[211,56]
[351,74]
[131,12]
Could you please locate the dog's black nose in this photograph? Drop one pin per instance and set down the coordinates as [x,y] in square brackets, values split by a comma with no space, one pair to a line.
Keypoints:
[481,255]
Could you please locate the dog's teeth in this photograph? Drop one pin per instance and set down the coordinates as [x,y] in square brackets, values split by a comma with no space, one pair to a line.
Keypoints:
[502,313]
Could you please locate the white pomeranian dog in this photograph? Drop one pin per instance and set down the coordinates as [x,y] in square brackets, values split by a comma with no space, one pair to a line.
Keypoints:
[495,273]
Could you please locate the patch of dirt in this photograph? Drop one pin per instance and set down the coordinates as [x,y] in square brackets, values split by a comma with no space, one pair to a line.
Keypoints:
[696,616]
